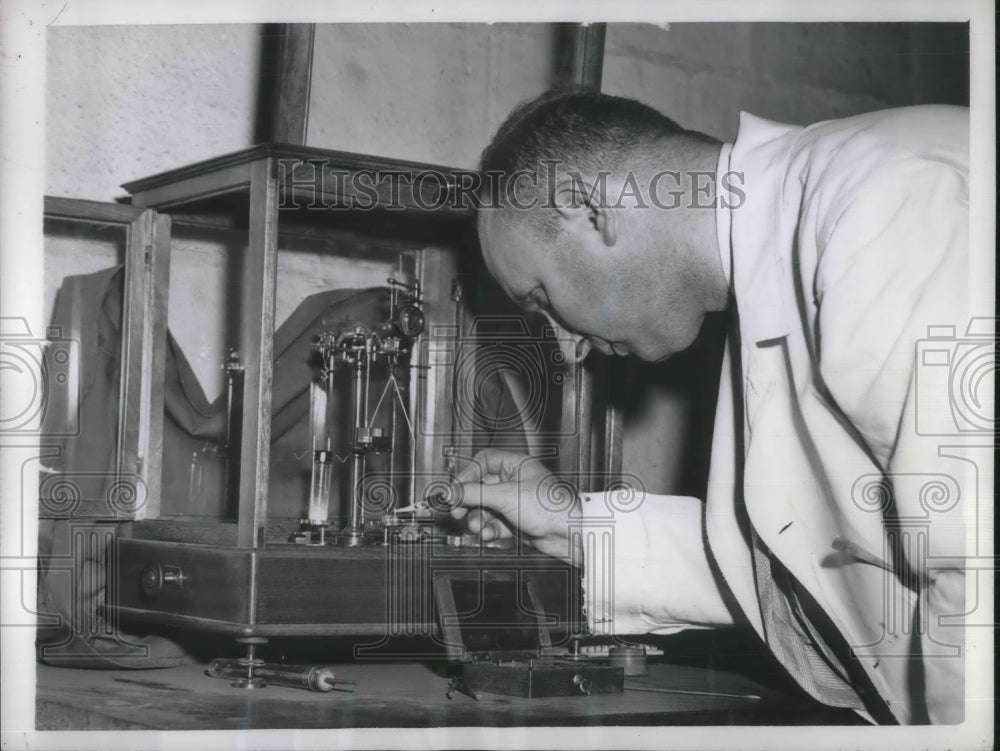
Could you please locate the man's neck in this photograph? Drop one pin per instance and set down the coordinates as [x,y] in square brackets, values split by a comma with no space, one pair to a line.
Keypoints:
[699,224]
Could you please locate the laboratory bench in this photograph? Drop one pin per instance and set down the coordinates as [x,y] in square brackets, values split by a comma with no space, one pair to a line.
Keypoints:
[685,686]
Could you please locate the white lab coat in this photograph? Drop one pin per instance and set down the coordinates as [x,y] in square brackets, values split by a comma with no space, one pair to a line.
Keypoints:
[850,240]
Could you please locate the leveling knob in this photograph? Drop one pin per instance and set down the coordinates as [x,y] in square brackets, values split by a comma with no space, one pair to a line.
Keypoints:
[154,578]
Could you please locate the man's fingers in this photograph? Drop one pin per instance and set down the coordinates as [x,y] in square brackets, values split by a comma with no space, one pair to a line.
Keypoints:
[474,522]
[490,463]
[500,498]
[494,529]
[486,525]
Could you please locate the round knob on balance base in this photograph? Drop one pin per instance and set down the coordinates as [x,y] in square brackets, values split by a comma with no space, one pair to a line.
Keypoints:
[151,580]
[249,683]
[351,537]
[155,578]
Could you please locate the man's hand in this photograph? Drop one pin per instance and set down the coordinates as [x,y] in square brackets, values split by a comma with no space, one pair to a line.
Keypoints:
[500,491]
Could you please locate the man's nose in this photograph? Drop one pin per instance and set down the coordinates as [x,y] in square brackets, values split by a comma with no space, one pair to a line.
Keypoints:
[573,346]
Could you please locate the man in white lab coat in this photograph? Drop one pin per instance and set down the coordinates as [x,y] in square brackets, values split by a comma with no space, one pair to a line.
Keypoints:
[834,516]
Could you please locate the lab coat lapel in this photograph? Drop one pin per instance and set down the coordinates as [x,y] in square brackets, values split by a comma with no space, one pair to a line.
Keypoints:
[758,156]
[725,520]
[785,476]
[761,227]
[777,469]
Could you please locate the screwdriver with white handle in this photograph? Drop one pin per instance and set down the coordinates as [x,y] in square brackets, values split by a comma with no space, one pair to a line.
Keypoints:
[310,677]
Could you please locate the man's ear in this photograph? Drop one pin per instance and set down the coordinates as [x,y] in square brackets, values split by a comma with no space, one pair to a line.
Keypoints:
[583,207]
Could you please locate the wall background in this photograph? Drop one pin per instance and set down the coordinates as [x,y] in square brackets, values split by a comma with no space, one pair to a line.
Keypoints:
[125,102]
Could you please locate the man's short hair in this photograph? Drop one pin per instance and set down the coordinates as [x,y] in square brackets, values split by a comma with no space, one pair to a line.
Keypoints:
[571,130]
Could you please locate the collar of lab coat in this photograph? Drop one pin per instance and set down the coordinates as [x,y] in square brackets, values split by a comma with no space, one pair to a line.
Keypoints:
[757,164]
[723,213]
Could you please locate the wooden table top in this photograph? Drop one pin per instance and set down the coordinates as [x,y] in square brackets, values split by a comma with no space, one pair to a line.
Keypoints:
[396,694]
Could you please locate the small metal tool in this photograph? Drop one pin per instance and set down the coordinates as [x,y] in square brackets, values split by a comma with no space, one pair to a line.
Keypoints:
[691,693]
[435,500]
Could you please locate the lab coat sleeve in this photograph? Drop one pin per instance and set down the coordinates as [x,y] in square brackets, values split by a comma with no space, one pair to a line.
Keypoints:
[893,262]
[646,565]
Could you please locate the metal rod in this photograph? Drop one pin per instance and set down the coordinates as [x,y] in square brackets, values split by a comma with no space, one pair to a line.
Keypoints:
[614,423]
[320,479]
[235,378]
[357,461]
[584,422]
[692,693]
[392,439]
[294,83]
[588,56]
[365,415]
